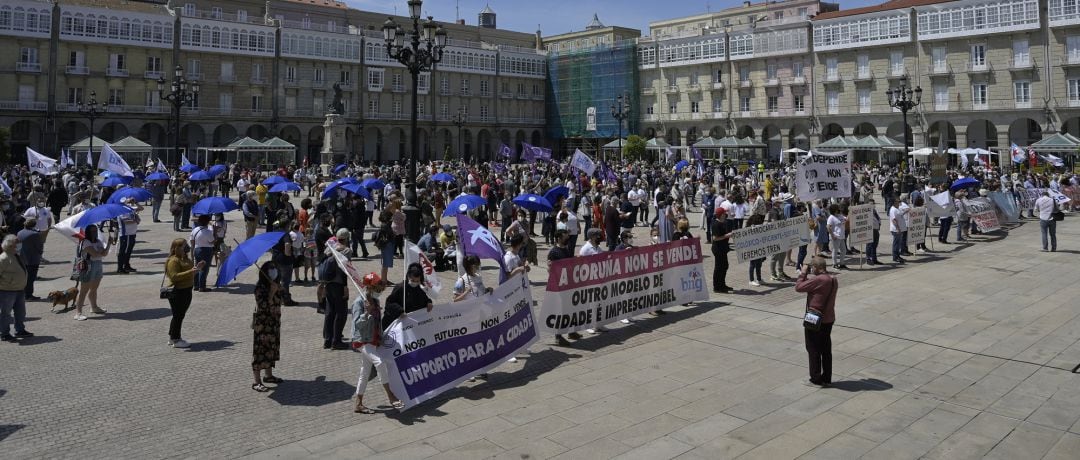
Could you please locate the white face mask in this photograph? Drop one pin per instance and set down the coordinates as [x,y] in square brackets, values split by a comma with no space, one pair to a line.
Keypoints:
[414,283]
[656,239]
[272,274]
[18,247]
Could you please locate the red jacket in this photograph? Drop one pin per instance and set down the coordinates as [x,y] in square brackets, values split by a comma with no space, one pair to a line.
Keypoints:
[820,294]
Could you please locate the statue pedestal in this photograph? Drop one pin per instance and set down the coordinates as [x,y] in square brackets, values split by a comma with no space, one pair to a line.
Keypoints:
[334,151]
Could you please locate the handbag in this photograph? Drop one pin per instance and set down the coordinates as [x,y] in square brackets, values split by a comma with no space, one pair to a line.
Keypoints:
[80,265]
[166,292]
[1058,215]
[812,317]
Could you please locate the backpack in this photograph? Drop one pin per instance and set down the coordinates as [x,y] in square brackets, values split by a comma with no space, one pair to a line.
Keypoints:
[328,269]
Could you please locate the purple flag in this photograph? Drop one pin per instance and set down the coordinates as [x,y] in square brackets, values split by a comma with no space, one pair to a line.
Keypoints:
[543,153]
[505,151]
[700,162]
[479,241]
[528,152]
[696,153]
[500,168]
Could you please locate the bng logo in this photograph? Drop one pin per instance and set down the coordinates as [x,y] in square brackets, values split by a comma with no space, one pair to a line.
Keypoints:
[694,281]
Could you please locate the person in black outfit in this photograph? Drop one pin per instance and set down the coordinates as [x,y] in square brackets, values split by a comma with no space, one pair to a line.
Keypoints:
[407,297]
[357,223]
[557,252]
[337,297]
[721,233]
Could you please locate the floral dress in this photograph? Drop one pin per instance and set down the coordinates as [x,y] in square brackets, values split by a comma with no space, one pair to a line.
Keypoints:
[267,326]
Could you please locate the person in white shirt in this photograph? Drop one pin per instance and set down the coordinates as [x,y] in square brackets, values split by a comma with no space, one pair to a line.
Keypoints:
[202,243]
[1047,225]
[635,202]
[897,225]
[44,218]
[129,227]
[905,211]
[592,243]
[838,235]
[573,227]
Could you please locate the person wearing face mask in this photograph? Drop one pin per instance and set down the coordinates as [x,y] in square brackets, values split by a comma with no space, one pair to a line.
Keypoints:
[266,323]
[407,297]
[820,288]
[336,303]
[43,216]
[94,249]
[12,282]
[366,337]
[180,273]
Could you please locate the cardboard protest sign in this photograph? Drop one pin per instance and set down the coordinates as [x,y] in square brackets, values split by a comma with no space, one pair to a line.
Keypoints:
[861,224]
[769,238]
[824,175]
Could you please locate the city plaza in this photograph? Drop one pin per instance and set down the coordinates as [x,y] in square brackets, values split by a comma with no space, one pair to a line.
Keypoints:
[970,351]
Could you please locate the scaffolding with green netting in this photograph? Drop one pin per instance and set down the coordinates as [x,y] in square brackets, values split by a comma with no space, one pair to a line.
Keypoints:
[592,77]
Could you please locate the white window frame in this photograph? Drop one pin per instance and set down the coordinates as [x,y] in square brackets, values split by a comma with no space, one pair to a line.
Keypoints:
[864,100]
[978,56]
[376,78]
[980,96]
[1022,94]
[941,97]
[1072,91]
[1021,53]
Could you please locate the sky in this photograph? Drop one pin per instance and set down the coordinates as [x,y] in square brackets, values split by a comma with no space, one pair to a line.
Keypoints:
[562,16]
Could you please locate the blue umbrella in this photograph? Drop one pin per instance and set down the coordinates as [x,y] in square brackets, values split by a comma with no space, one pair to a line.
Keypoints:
[442,177]
[335,184]
[102,213]
[533,202]
[214,205]
[139,194]
[273,180]
[115,181]
[285,187]
[463,204]
[963,183]
[246,255]
[158,176]
[681,164]
[189,168]
[340,168]
[553,194]
[357,189]
[217,170]
[373,183]
[199,176]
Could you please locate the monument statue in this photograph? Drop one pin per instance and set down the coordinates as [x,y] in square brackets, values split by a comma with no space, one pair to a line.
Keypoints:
[337,106]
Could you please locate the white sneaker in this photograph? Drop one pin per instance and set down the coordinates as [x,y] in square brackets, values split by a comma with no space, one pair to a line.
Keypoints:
[513,359]
[591,331]
[80,317]
[181,343]
[920,251]
[625,321]
[755,283]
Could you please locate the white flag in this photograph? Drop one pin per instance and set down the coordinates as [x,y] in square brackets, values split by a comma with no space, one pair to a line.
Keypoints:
[940,205]
[4,187]
[69,160]
[184,161]
[582,161]
[161,166]
[112,161]
[39,163]
[63,158]
[149,162]
[963,161]
[413,254]
[89,158]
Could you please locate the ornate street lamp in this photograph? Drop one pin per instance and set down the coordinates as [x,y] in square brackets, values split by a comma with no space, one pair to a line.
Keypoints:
[92,110]
[621,112]
[423,49]
[459,121]
[905,99]
[178,96]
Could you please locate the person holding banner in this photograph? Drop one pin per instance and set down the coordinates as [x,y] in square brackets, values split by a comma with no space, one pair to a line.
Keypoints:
[875,225]
[838,235]
[366,337]
[721,234]
[820,288]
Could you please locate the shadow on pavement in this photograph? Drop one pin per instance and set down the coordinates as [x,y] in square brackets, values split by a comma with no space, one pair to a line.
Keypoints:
[38,340]
[318,392]
[861,385]
[216,345]
[8,430]
[137,315]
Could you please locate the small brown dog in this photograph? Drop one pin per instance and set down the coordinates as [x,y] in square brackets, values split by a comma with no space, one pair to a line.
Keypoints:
[65,298]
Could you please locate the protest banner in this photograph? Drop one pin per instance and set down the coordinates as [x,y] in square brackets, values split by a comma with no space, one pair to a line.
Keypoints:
[769,238]
[939,165]
[917,224]
[1005,202]
[984,214]
[588,292]
[427,353]
[861,224]
[1026,197]
[824,175]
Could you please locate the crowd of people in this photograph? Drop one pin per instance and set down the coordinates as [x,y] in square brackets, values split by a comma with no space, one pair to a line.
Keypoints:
[605,208]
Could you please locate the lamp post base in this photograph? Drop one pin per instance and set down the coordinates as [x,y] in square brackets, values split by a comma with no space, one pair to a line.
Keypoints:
[412,222]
